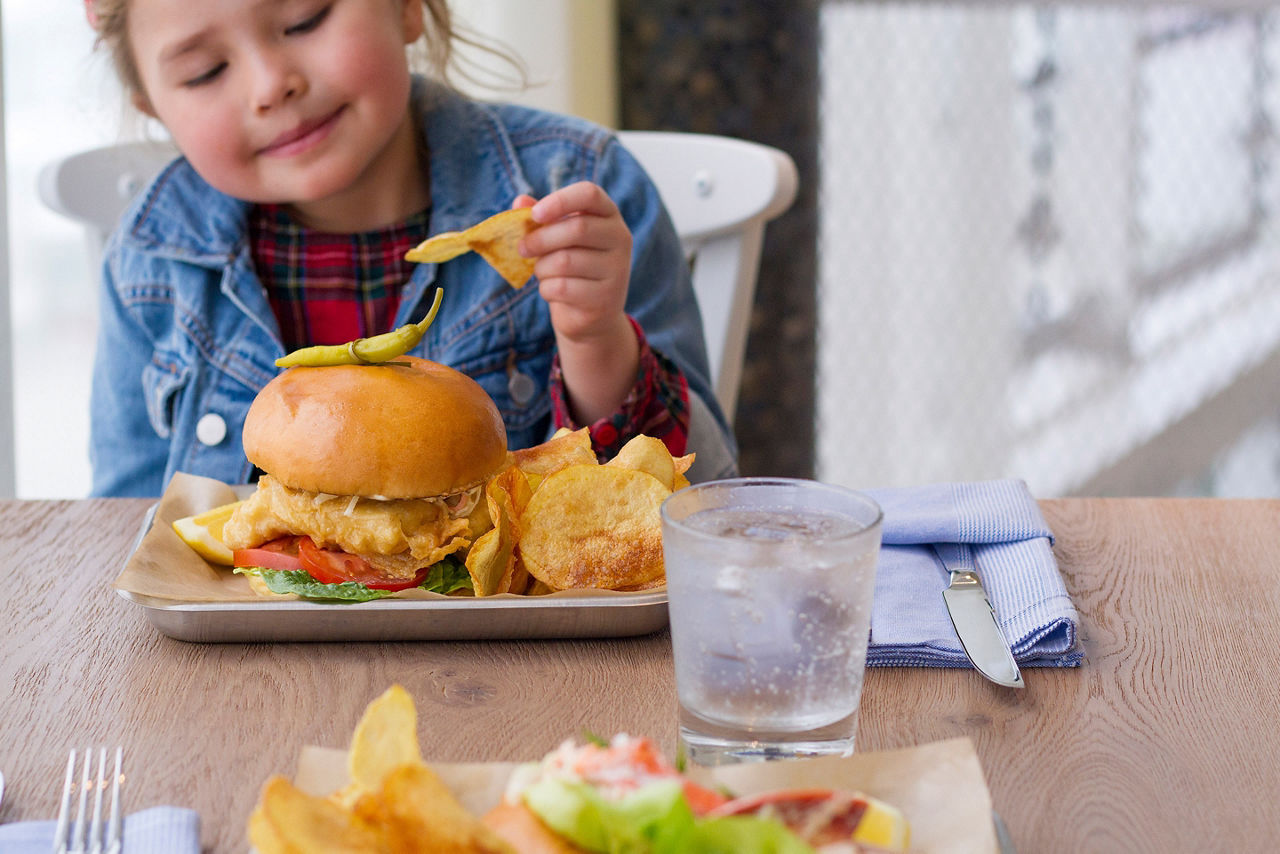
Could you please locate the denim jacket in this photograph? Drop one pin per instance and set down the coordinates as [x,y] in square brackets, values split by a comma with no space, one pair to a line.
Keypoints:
[187,336]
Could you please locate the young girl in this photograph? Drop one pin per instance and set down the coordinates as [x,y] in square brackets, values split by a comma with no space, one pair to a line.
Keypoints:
[312,160]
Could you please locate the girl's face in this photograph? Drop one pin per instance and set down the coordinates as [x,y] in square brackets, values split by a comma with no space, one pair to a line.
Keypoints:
[300,102]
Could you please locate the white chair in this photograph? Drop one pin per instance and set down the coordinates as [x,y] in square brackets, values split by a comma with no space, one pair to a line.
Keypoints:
[720,192]
[94,187]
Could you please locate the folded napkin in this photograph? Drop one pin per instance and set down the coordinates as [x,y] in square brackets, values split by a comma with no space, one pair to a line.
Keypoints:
[992,527]
[159,830]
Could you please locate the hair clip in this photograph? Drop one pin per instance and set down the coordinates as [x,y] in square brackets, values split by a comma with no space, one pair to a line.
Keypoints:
[91,14]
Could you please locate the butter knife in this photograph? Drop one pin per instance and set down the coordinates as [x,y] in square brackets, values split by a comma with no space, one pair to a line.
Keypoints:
[975,622]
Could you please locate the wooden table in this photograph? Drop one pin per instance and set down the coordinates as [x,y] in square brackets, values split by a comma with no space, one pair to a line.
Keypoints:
[1164,741]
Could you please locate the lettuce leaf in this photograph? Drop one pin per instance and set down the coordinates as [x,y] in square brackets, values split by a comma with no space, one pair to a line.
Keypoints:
[448,576]
[745,833]
[655,819]
[298,582]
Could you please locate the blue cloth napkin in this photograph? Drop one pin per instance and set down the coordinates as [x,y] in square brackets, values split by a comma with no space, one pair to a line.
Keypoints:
[992,527]
[158,830]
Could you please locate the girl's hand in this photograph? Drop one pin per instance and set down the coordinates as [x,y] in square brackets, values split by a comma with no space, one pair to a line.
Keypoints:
[584,260]
[584,264]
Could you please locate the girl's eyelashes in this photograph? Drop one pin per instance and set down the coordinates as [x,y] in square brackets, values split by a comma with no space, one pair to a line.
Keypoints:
[306,25]
[309,23]
[207,77]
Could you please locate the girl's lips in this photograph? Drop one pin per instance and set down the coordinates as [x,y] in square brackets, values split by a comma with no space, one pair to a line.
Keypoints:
[302,138]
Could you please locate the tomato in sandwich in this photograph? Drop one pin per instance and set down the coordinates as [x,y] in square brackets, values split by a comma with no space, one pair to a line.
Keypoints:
[822,816]
[328,566]
[281,554]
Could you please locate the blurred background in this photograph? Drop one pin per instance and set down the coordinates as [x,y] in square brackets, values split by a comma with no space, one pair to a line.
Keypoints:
[1032,240]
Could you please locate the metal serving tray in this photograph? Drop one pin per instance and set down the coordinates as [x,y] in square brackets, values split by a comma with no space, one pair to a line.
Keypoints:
[563,615]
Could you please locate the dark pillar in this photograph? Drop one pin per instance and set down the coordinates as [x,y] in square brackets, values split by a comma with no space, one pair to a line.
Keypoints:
[749,70]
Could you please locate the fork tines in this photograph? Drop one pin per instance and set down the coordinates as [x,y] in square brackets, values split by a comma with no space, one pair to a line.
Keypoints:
[88,833]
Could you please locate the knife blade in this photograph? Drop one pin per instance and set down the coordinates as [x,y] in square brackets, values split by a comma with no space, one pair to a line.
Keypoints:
[975,622]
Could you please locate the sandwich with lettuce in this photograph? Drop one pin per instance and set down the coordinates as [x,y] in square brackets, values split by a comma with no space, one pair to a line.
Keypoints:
[622,797]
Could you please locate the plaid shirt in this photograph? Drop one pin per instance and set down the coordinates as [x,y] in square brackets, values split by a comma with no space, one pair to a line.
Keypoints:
[333,288]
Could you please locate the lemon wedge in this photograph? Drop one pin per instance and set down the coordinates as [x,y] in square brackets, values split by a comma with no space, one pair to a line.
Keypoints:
[203,532]
[883,826]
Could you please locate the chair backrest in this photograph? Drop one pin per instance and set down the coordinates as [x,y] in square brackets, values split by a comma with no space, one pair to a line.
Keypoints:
[720,192]
[94,187]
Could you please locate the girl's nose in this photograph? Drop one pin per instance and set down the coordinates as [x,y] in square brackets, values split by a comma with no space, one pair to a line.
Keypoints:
[278,82]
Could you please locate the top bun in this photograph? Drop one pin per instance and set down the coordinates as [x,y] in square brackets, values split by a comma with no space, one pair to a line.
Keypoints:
[394,431]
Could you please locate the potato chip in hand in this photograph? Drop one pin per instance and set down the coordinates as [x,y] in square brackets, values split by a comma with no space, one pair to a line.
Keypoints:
[496,240]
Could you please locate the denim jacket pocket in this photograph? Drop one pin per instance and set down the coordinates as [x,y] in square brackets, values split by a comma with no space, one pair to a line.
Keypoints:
[162,382]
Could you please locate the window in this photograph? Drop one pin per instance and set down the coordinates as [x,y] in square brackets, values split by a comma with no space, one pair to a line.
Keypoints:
[1048,247]
[58,98]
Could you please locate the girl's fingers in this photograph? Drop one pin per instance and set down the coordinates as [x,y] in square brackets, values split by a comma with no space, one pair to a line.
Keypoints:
[583,297]
[583,197]
[588,232]
[578,263]
[580,230]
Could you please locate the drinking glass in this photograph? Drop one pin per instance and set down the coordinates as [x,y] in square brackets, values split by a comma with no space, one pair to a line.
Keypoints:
[769,586]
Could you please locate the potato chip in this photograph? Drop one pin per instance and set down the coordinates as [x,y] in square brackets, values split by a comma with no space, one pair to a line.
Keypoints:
[491,562]
[651,584]
[496,240]
[594,526]
[682,464]
[445,246]
[520,578]
[418,813]
[510,489]
[570,449]
[647,454]
[289,821]
[395,803]
[479,521]
[385,738]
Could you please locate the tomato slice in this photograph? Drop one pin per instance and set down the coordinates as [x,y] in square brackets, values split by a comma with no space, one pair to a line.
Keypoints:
[279,554]
[821,816]
[701,799]
[331,566]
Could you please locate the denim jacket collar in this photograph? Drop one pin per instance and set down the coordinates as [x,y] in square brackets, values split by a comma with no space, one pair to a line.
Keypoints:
[466,188]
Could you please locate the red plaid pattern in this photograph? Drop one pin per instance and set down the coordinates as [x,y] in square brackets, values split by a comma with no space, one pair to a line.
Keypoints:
[658,405]
[331,288]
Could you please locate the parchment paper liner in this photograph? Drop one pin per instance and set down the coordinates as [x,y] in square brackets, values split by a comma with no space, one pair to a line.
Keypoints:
[164,567]
[938,786]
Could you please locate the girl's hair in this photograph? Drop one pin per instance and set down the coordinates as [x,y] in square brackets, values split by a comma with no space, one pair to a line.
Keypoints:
[110,19]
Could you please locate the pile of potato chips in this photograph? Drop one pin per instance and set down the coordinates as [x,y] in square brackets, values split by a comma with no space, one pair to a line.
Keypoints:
[560,520]
[395,804]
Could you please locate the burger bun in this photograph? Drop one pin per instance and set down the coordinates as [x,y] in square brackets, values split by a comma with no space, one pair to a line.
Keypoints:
[411,428]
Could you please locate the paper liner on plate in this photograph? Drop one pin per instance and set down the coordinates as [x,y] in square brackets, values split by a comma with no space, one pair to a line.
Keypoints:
[939,787]
[164,567]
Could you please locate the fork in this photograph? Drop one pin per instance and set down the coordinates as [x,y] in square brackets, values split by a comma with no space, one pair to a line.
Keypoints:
[89,835]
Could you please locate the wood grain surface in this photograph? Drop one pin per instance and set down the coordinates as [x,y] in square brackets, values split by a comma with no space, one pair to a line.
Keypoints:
[1164,741]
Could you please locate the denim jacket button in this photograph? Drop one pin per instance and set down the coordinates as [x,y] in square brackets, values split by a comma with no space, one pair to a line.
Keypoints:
[211,429]
[521,387]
